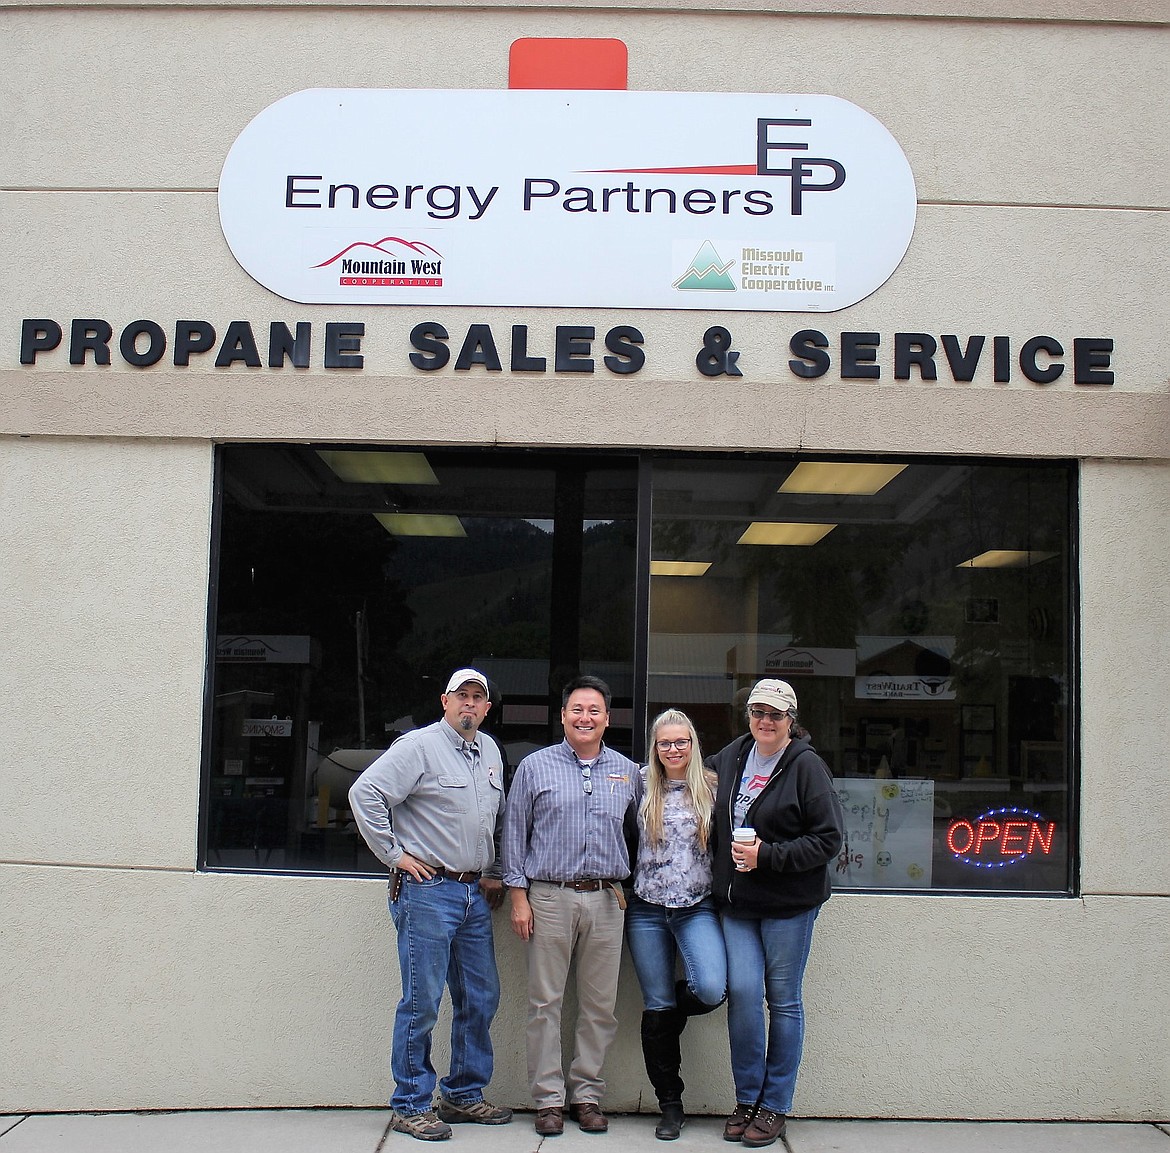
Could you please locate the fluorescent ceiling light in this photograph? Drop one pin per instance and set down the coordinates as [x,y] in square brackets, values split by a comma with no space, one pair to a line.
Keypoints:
[420,524]
[833,478]
[681,568]
[1006,558]
[784,532]
[380,467]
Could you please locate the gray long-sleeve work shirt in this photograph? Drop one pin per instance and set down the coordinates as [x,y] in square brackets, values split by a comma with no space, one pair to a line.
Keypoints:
[424,796]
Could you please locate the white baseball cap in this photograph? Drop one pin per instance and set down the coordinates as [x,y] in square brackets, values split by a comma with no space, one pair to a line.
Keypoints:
[778,694]
[460,677]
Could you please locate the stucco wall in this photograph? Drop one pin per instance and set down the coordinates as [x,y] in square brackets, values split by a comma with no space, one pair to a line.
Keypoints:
[1125,639]
[1043,176]
[1049,277]
[199,990]
[128,980]
[103,625]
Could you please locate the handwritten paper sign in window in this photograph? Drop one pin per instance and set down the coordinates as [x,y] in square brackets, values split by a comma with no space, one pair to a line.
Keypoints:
[889,828]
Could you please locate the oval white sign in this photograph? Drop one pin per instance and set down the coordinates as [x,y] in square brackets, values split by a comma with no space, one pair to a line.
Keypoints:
[713,201]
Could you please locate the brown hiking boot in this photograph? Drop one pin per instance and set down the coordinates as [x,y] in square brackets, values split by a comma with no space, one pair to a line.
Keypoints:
[424,1126]
[766,1126]
[736,1125]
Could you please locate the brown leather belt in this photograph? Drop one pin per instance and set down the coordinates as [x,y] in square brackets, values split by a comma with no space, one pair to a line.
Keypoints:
[466,878]
[591,885]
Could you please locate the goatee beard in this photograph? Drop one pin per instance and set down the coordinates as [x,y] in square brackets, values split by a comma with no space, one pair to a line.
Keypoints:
[467,723]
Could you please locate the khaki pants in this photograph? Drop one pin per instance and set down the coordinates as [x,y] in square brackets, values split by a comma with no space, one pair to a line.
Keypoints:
[586,927]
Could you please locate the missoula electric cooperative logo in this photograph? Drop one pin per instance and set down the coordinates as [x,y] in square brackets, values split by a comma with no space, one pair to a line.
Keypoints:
[706,272]
[738,201]
[398,263]
[759,269]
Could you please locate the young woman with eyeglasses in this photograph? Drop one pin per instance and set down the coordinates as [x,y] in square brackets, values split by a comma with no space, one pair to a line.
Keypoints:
[769,889]
[671,915]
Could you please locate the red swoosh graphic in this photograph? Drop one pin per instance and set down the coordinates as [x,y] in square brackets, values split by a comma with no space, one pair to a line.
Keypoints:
[414,245]
[703,169]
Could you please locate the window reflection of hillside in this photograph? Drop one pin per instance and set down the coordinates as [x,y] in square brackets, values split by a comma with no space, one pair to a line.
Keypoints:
[535,580]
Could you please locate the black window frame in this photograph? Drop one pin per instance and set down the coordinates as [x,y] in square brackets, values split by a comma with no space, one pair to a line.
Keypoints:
[645,461]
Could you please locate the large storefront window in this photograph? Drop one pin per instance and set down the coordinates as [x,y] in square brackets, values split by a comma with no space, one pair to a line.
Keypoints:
[921,609]
[921,612]
[351,583]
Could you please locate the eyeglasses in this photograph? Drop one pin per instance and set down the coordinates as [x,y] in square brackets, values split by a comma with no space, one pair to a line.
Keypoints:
[587,779]
[767,715]
[682,744]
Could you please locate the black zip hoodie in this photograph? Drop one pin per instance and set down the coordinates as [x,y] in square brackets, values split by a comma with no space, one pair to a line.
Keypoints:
[798,820]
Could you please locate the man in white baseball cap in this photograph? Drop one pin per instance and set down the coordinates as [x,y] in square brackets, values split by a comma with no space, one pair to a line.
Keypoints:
[431,808]
[461,677]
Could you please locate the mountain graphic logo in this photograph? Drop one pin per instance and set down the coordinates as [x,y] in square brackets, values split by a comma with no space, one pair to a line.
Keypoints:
[706,271]
[391,262]
[364,247]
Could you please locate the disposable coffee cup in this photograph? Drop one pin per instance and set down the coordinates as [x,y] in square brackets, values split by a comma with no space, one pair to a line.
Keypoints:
[744,836]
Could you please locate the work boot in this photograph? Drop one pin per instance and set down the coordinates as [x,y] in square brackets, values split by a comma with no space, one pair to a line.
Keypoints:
[550,1120]
[589,1117]
[765,1128]
[738,1122]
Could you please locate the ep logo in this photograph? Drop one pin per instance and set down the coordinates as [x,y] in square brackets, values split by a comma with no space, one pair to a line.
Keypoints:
[801,168]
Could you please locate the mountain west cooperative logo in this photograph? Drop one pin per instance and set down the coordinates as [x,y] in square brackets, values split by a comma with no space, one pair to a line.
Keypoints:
[398,263]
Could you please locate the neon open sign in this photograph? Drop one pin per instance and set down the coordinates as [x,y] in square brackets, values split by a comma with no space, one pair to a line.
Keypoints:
[1000,837]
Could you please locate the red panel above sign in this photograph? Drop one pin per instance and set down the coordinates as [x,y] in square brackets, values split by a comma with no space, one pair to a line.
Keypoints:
[554,62]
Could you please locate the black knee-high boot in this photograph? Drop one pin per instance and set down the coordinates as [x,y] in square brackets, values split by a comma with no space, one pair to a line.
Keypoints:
[660,1048]
[689,1005]
[661,1029]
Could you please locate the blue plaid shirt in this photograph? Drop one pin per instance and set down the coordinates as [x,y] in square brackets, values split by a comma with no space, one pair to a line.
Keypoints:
[556,831]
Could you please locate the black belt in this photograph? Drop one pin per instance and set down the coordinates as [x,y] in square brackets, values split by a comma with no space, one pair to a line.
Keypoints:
[467,878]
[589,885]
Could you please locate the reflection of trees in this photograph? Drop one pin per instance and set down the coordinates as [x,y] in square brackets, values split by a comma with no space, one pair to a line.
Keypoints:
[483,593]
[309,574]
[693,539]
[490,593]
[607,592]
[1021,508]
[821,595]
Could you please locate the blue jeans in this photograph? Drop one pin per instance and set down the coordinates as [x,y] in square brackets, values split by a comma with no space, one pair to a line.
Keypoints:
[656,934]
[444,938]
[766,960]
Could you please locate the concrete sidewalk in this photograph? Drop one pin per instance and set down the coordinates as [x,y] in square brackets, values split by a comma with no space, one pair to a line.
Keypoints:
[365,1131]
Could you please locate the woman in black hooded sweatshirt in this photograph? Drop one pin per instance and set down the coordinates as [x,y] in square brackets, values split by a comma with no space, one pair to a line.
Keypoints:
[768,892]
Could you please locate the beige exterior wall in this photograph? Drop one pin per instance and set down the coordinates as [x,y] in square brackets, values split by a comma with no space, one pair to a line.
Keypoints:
[145,990]
[130,980]
[1125,640]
